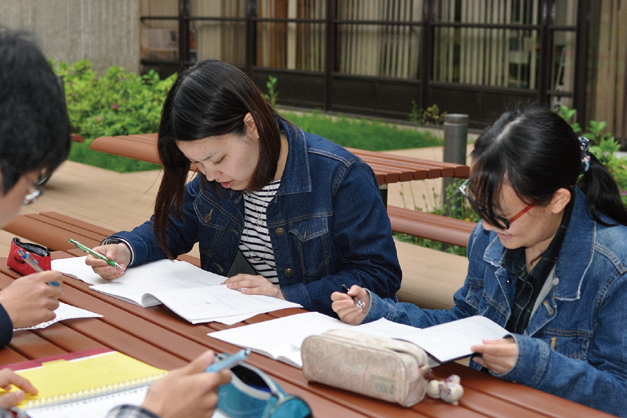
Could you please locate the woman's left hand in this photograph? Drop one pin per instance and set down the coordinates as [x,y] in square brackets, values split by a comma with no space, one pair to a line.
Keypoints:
[497,355]
[253,285]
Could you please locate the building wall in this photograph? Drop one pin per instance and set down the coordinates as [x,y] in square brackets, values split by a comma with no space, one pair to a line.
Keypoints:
[608,87]
[106,32]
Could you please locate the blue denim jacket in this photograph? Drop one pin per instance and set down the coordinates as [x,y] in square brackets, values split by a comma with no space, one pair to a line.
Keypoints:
[575,345]
[327,223]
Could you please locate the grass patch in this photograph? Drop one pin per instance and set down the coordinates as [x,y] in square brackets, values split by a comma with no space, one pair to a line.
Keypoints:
[367,134]
[372,135]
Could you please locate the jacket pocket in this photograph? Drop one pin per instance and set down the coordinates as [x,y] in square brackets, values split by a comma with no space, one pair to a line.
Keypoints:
[573,344]
[311,240]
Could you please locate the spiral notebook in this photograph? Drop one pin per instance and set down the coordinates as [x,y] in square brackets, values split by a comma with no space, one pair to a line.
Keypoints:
[85,384]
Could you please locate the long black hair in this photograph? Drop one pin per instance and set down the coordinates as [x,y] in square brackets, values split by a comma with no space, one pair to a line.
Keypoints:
[210,98]
[537,152]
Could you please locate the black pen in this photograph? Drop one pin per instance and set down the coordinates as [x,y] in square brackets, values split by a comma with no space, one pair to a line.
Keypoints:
[359,303]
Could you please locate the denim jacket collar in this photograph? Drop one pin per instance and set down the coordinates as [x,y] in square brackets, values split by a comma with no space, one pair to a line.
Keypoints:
[297,173]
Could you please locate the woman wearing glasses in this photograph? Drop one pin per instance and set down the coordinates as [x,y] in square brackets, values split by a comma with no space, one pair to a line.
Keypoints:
[548,262]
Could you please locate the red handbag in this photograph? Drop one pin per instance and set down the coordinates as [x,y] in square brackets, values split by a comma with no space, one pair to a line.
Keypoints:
[37,252]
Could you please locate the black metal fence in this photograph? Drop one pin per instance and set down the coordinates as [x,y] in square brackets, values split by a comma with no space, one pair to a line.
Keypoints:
[377,57]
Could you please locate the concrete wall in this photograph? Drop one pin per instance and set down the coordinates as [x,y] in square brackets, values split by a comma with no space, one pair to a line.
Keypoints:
[106,32]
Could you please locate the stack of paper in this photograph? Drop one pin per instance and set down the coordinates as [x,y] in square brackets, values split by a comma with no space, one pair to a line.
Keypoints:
[192,293]
[282,338]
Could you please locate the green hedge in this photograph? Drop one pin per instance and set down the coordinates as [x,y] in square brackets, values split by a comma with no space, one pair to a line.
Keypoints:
[124,103]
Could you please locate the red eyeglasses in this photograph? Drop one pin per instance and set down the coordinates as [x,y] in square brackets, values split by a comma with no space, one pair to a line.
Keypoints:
[492,218]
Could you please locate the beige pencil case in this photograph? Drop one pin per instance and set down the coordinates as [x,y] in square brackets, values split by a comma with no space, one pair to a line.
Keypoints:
[382,368]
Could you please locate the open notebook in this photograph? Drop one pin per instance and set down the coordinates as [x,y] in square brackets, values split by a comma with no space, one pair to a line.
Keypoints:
[281,338]
[192,293]
[85,384]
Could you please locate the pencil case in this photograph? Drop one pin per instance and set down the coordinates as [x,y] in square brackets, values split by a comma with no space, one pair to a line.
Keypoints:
[382,368]
[252,393]
[37,252]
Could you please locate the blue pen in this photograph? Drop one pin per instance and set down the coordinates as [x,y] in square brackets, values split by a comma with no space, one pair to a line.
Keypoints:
[33,263]
[229,362]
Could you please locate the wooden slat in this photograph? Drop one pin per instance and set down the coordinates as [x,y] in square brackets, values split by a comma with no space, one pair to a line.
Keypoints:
[427,225]
[388,168]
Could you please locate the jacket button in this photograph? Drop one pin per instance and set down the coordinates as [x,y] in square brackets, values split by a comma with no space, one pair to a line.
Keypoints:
[280,231]
[209,216]
[289,272]
[555,281]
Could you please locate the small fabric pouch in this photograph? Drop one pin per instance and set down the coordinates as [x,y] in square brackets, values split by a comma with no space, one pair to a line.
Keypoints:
[251,393]
[382,368]
[37,252]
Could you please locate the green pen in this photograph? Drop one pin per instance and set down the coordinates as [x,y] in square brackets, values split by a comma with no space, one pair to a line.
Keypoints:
[95,254]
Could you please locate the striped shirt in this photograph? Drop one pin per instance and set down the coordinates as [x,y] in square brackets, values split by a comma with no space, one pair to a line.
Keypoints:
[255,243]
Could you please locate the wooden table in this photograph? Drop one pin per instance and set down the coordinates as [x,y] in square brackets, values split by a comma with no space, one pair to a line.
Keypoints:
[388,168]
[159,337]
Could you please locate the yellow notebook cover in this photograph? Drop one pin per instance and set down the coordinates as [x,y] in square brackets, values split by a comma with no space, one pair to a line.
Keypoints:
[60,381]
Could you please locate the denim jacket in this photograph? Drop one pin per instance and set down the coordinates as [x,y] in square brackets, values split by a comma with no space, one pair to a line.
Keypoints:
[327,223]
[575,345]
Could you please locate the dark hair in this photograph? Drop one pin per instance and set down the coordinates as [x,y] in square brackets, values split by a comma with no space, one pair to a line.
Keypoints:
[210,98]
[537,152]
[35,130]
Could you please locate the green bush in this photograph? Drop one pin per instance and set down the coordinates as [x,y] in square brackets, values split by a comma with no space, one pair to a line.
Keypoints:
[603,145]
[118,103]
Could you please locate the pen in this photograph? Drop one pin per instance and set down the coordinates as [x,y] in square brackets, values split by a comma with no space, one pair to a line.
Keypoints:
[33,263]
[229,362]
[359,303]
[95,254]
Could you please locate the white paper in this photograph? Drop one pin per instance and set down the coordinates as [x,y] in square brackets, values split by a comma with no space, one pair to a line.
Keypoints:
[192,293]
[208,302]
[282,338]
[96,407]
[63,312]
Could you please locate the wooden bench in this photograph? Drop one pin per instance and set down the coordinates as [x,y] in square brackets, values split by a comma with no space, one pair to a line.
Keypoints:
[54,230]
[430,277]
[388,168]
[428,225]
[77,138]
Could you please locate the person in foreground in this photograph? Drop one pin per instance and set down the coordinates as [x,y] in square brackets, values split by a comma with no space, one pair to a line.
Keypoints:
[34,141]
[184,392]
[281,212]
[547,262]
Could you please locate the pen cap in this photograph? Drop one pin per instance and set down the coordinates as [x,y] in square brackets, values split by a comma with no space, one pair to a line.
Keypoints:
[37,252]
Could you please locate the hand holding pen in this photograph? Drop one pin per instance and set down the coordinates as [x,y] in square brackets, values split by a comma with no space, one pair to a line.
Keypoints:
[91,252]
[33,263]
[358,302]
[229,362]
[32,299]
[346,304]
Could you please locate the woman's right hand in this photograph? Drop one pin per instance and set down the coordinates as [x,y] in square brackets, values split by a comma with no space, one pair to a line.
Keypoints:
[188,391]
[117,252]
[345,307]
